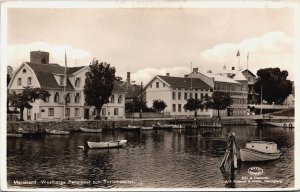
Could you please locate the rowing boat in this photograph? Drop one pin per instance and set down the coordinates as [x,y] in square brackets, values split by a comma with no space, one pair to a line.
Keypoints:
[109,144]
[86,130]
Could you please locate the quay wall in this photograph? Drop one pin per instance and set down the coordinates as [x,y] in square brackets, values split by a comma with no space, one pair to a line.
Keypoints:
[40,126]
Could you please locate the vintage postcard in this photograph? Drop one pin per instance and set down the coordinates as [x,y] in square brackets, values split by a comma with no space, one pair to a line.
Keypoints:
[127,95]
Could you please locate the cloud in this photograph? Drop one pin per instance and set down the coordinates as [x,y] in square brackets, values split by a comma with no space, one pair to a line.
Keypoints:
[146,74]
[272,49]
[21,53]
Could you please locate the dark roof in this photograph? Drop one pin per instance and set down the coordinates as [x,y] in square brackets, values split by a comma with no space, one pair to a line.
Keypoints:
[44,74]
[182,82]
[118,88]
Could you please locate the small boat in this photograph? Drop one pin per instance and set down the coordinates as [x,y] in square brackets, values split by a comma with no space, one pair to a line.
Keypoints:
[30,134]
[178,127]
[146,128]
[260,151]
[86,130]
[57,132]
[130,128]
[109,144]
[280,124]
[162,126]
[14,135]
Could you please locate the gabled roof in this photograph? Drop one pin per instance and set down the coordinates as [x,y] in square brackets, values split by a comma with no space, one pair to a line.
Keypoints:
[44,74]
[249,72]
[118,88]
[239,76]
[221,78]
[182,82]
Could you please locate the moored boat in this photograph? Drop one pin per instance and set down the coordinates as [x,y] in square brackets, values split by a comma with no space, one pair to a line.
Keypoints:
[109,144]
[57,132]
[162,126]
[130,128]
[178,127]
[260,151]
[208,134]
[87,130]
[146,128]
[14,135]
[280,124]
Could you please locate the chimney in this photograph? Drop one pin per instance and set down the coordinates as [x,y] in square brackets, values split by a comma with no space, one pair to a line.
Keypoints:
[39,57]
[209,71]
[186,76]
[128,79]
[195,70]
[232,68]
[167,74]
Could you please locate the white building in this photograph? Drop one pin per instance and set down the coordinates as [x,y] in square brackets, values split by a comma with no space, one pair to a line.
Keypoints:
[42,74]
[175,91]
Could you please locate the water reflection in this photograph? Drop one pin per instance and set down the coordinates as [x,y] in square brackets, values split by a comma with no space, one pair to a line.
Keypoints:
[158,158]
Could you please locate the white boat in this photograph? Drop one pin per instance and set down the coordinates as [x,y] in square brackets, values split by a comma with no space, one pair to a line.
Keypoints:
[86,130]
[178,127]
[260,151]
[162,126]
[14,135]
[146,128]
[280,124]
[131,128]
[110,144]
[57,132]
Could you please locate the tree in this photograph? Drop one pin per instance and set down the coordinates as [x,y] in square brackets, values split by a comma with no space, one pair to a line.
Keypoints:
[273,84]
[194,105]
[136,105]
[99,84]
[159,105]
[220,101]
[23,99]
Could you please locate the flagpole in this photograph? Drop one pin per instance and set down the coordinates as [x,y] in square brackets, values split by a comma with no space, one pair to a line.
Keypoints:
[247,59]
[65,84]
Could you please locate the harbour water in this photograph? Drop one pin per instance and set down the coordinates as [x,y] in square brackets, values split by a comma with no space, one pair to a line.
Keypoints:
[151,159]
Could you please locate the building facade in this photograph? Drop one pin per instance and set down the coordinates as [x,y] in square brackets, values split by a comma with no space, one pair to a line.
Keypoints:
[175,91]
[66,100]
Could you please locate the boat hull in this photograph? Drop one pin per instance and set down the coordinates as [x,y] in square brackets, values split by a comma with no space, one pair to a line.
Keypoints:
[253,155]
[178,127]
[277,124]
[147,128]
[14,135]
[103,145]
[130,128]
[57,132]
[86,130]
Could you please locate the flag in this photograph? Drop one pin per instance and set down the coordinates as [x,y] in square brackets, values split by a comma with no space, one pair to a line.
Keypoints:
[238,54]
[248,55]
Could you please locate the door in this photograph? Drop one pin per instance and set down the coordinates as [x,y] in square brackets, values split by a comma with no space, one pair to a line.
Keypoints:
[86,114]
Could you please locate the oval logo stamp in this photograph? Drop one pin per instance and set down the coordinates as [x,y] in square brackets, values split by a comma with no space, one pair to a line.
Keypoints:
[255,171]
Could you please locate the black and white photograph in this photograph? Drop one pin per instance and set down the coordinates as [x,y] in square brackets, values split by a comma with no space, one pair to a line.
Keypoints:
[125,95]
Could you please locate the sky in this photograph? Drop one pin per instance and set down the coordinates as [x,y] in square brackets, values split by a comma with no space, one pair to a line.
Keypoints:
[148,42]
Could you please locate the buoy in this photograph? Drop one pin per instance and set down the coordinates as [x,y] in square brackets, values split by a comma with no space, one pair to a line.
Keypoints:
[284,125]
[80,147]
[290,125]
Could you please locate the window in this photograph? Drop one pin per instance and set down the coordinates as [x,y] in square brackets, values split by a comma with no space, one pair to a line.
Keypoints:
[24,70]
[112,98]
[206,96]
[68,112]
[150,85]
[19,82]
[28,114]
[116,111]
[76,112]
[174,108]
[29,81]
[191,95]
[120,99]
[68,98]
[77,82]
[46,99]
[174,95]
[185,95]
[51,112]
[56,97]
[77,98]
[61,80]
[196,95]
[201,96]
[164,84]
[103,111]
[157,84]
[179,95]
[179,107]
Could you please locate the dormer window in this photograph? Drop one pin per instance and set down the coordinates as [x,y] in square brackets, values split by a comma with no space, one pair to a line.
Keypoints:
[77,82]
[56,97]
[61,80]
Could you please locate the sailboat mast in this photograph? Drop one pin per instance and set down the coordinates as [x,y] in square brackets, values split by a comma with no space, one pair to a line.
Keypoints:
[65,84]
